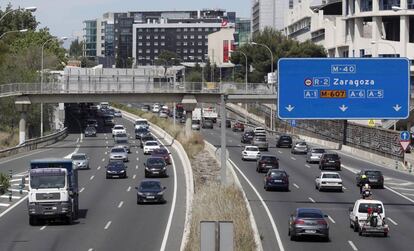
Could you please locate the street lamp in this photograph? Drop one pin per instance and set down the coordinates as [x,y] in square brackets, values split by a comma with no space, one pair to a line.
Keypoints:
[16,31]
[41,80]
[29,9]
[396,8]
[392,46]
[245,79]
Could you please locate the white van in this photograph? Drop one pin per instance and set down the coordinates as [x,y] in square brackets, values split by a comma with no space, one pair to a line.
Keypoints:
[141,123]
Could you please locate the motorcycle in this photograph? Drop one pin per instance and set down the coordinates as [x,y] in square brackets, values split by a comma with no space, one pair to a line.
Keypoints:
[366,193]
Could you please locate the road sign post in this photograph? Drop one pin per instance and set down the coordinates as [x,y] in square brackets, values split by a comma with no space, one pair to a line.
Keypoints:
[405,139]
[343,88]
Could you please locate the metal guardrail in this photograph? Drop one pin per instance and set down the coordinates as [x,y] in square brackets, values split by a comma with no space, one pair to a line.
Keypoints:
[96,85]
[36,143]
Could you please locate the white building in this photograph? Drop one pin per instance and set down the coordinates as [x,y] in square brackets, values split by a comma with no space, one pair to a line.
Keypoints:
[220,44]
[269,13]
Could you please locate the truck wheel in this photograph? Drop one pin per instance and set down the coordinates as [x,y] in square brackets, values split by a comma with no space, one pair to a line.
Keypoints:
[69,220]
[356,226]
[385,234]
[360,232]
[32,221]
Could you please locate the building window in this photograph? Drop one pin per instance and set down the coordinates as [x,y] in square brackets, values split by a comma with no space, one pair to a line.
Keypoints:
[148,37]
[366,5]
[155,50]
[387,4]
[200,57]
[200,29]
[185,50]
[162,37]
[155,37]
[199,51]
[148,44]
[345,54]
[206,43]
[139,30]
[362,53]
[178,43]
[178,29]
[185,43]
[148,51]
[200,43]
[185,36]
[192,37]
[185,29]
[185,57]
[191,50]
[162,44]
[148,58]
[139,37]
[178,50]
[156,30]
[162,30]
[139,50]
[206,36]
[178,36]
[206,29]
[155,43]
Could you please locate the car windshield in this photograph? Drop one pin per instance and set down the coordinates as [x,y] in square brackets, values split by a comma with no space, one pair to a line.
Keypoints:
[310,214]
[331,176]
[121,135]
[116,166]
[155,161]
[285,138]
[301,144]
[151,143]
[117,150]
[90,129]
[261,139]
[118,127]
[363,207]
[195,122]
[121,141]
[318,150]
[332,156]
[141,122]
[160,151]
[150,185]
[78,157]
[252,149]
[278,174]
[42,181]
[269,158]
[141,130]
[373,173]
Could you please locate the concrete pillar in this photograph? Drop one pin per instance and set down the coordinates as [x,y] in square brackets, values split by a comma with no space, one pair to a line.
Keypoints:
[189,103]
[376,35]
[223,157]
[404,35]
[188,120]
[22,127]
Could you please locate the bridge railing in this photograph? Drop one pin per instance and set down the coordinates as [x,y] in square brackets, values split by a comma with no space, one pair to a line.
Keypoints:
[105,86]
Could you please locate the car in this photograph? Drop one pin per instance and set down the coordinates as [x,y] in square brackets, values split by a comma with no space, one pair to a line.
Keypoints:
[247,137]
[308,222]
[328,181]
[145,108]
[141,123]
[238,126]
[118,129]
[124,143]
[90,131]
[195,124]
[182,120]
[163,114]
[150,145]
[156,108]
[116,169]
[118,153]
[150,190]
[267,162]
[108,120]
[259,131]
[121,136]
[276,179]
[284,141]
[314,155]
[155,166]
[330,160]
[162,153]
[299,147]
[250,153]
[145,138]
[261,142]
[140,132]
[117,114]
[208,124]
[92,123]
[80,160]
[375,177]
[358,217]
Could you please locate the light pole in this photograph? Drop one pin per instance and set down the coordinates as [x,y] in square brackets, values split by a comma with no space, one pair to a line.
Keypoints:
[16,31]
[271,70]
[246,81]
[41,80]
[392,46]
[30,9]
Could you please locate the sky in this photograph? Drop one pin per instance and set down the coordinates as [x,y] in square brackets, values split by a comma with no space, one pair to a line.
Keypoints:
[64,18]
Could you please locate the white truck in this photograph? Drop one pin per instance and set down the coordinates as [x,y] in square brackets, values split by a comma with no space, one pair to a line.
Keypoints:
[368,217]
[196,119]
[210,113]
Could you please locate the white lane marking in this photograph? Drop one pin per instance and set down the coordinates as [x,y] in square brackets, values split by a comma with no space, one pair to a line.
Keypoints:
[4,205]
[13,197]
[129,189]
[134,142]
[352,170]
[17,190]
[308,166]
[103,159]
[137,158]
[353,246]
[106,142]
[13,180]
[42,228]
[105,134]
[311,199]
[91,249]
[133,177]
[295,185]
[91,178]
[14,205]
[405,197]
[81,137]
[99,167]
[331,219]
[269,214]
[82,189]
[106,153]
[136,167]
[403,188]
[293,158]
[344,187]
[279,151]
[107,225]
[77,140]
[392,221]
[120,204]
[70,154]
[107,147]
[136,152]
[408,194]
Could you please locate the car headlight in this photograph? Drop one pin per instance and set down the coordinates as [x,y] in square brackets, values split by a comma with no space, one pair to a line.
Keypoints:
[160,193]
[140,194]
[147,168]
[122,171]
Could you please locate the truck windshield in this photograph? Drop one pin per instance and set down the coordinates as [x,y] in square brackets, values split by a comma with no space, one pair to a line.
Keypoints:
[41,181]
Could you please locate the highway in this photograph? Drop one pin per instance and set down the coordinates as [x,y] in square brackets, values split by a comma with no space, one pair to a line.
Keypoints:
[110,219]
[398,198]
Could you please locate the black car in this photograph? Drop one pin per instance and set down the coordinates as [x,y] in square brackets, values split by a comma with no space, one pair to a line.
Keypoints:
[92,122]
[247,137]
[146,137]
[207,124]
[330,160]
[375,178]
[141,131]
[150,191]
[276,179]
[155,166]
[308,222]
[266,162]
[284,141]
[90,131]
[116,169]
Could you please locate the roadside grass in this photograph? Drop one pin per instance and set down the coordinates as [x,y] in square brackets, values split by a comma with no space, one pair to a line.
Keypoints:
[211,200]
[8,139]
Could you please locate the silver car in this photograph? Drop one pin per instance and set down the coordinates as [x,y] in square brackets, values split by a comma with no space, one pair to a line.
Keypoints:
[261,143]
[80,161]
[118,153]
[121,136]
[314,155]
[300,147]
[124,143]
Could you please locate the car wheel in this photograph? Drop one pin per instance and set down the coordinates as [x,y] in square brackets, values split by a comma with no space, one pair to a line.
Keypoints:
[356,226]
[385,234]
[338,169]
[350,224]
[292,237]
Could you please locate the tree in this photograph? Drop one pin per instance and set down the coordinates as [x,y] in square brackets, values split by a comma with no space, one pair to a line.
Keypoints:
[167,58]
[76,49]
[17,20]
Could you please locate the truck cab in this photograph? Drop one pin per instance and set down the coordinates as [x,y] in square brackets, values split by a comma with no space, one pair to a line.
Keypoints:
[53,191]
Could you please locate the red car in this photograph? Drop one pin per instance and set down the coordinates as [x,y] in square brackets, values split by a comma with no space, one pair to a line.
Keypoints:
[162,153]
[238,127]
